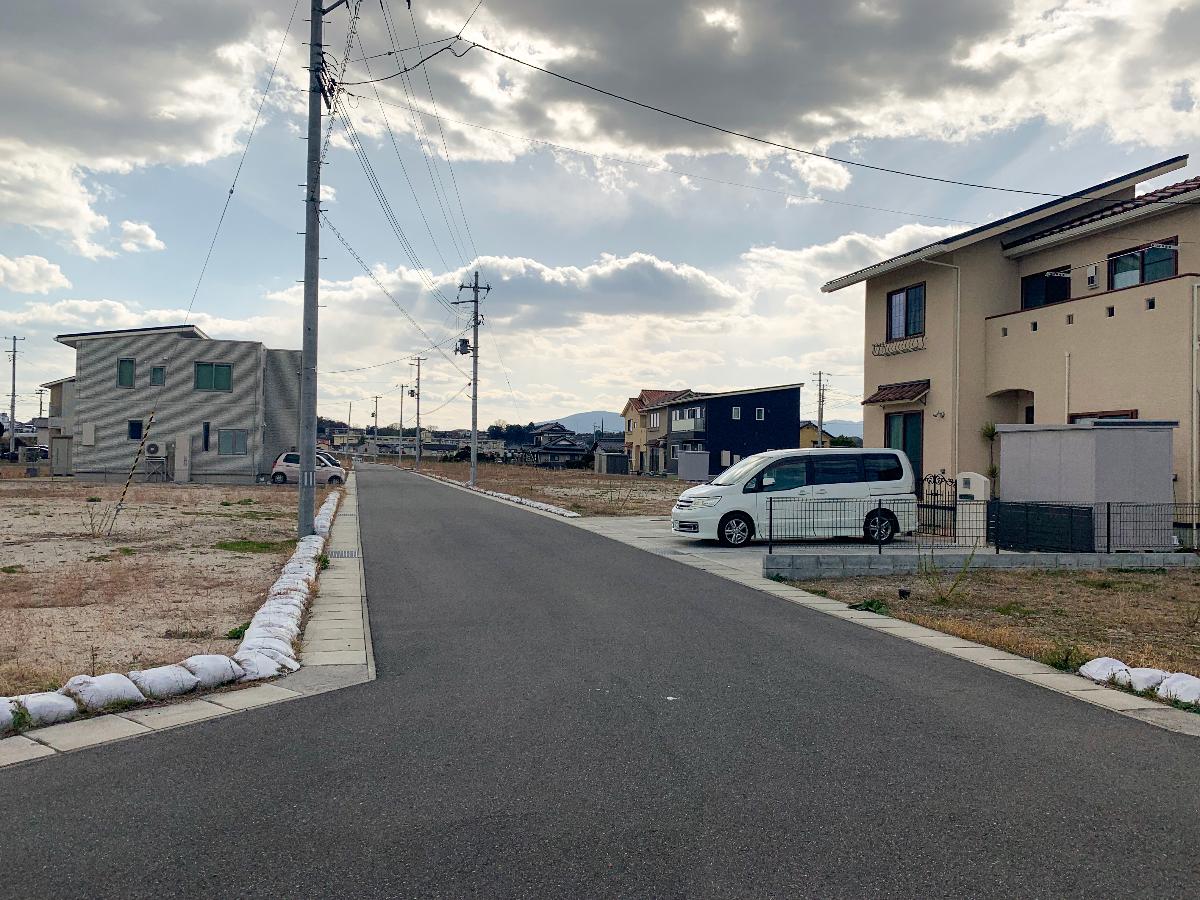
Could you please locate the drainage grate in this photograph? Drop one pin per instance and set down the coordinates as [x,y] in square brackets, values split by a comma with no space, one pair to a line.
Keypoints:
[342,554]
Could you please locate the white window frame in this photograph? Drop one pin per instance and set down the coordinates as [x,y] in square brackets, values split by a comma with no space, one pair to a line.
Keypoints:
[737,413]
[653,420]
[760,414]
[674,451]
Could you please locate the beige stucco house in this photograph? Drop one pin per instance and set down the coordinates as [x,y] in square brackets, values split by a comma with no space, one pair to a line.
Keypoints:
[1084,306]
[645,428]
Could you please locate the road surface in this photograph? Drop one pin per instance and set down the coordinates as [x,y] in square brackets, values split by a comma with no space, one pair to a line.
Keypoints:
[557,714]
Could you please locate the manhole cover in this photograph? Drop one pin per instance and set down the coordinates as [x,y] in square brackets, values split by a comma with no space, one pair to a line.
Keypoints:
[342,554]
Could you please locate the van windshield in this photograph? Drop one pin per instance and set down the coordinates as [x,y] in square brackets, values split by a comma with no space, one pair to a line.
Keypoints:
[739,470]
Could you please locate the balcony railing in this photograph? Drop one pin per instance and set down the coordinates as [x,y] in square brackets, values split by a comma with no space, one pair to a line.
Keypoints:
[687,425]
[898,346]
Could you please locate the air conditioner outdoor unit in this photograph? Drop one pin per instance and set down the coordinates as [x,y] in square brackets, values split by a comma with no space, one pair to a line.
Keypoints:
[154,449]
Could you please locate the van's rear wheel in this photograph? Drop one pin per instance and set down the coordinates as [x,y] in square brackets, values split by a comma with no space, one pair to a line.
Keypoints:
[735,530]
[880,527]
[278,478]
[334,481]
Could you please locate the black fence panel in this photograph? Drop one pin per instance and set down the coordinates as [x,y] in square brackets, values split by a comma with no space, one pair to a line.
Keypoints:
[1043,527]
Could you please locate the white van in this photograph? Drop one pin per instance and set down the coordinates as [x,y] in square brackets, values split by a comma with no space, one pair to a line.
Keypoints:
[805,494]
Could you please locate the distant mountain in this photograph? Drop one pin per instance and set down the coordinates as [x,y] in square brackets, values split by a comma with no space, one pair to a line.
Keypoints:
[844,426]
[586,422]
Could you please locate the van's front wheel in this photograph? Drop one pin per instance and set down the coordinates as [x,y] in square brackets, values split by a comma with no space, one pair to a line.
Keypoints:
[735,530]
[880,527]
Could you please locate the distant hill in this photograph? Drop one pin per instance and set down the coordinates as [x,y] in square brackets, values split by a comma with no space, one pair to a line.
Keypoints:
[586,422]
[844,426]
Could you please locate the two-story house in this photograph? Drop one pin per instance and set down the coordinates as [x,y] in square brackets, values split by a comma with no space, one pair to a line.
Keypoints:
[637,428]
[223,410]
[1082,307]
[730,425]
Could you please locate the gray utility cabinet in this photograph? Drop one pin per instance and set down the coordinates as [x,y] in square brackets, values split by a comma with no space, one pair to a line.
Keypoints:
[1121,469]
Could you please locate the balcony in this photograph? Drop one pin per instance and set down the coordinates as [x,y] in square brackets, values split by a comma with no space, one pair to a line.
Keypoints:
[687,425]
[898,346]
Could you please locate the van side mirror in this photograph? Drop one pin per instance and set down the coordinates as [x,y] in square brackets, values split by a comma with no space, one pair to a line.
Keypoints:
[768,480]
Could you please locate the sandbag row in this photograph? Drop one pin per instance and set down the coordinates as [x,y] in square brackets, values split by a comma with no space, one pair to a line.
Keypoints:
[511,498]
[266,650]
[1177,686]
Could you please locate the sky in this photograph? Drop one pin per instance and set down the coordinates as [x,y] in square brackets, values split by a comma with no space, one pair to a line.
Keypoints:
[625,249]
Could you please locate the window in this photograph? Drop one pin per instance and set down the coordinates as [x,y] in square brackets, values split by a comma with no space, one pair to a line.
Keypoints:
[725,457]
[759,414]
[1103,414]
[126,369]
[789,474]
[292,459]
[674,451]
[1029,415]
[836,470]
[205,430]
[906,312]
[135,429]
[1053,286]
[906,431]
[158,375]
[1070,318]
[232,441]
[1093,277]
[654,420]
[737,413]
[1152,262]
[1149,303]
[628,425]
[1033,326]
[882,467]
[214,377]
[1110,311]
[1003,332]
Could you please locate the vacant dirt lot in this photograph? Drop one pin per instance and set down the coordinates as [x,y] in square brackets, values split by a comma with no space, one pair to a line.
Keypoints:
[1062,617]
[184,565]
[575,489]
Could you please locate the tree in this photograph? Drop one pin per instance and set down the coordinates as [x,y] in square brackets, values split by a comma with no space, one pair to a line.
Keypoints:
[844,440]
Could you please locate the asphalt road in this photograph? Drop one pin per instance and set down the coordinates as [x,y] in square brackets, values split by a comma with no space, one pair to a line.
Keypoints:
[557,714]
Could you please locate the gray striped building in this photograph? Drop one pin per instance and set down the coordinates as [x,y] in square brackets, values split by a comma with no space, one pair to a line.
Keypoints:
[223,410]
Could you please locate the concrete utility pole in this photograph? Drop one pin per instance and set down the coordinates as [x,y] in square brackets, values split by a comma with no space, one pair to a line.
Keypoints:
[375,416]
[41,395]
[12,399]
[820,409]
[417,394]
[474,288]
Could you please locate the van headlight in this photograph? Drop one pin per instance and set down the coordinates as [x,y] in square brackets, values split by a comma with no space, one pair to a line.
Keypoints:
[706,501]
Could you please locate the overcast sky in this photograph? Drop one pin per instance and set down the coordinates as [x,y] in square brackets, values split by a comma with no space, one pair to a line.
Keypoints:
[618,259]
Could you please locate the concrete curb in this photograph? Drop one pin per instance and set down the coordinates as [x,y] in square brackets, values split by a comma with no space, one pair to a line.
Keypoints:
[1030,671]
[802,566]
[331,670]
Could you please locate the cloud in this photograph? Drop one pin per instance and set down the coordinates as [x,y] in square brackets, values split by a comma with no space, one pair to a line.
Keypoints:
[138,236]
[31,275]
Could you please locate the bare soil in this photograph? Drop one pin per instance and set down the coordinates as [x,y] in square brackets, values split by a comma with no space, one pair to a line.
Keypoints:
[1062,617]
[578,490]
[76,600]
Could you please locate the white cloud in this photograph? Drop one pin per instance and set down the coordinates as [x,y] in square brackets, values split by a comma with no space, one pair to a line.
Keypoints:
[31,275]
[138,236]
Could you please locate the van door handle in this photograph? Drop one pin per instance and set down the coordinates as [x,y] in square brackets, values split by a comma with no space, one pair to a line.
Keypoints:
[821,491]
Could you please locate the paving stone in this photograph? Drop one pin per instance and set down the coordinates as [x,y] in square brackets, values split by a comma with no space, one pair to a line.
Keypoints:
[1114,699]
[335,615]
[19,749]
[173,714]
[1019,667]
[322,644]
[978,653]
[335,658]
[1062,681]
[943,640]
[87,732]
[324,631]
[259,695]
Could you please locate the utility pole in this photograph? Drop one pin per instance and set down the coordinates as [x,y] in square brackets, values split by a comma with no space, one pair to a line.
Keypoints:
[820,409]
[41,395]
[403,388]
[375,445]
[12,399]
[417,394]
[473,349]
[317,92]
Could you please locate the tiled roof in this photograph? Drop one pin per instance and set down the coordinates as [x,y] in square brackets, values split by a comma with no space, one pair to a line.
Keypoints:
[652,397]
[899,392]
[1165,193]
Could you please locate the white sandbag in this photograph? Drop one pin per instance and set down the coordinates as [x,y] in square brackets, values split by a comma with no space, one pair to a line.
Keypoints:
[1140,679]
[290,583]
[266,643]
[1102,668]
[95,693]
[6,715]
[212,669]
[164,681]
[278,619]
[48,707]
[284,660]
[257,665]
[1181,687]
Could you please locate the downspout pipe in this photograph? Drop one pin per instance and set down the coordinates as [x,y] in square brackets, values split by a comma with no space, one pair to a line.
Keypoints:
[957,341]
[1194,412]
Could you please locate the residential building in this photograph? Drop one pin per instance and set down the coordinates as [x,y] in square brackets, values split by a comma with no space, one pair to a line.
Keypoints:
[637,421]
[560,449]
[223,410]
[730,425]
[550,431]
[1082,307]
[809,435]
[54,431]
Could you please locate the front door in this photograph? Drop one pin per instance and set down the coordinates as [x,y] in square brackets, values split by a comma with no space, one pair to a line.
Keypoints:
[906,431]
[60,456]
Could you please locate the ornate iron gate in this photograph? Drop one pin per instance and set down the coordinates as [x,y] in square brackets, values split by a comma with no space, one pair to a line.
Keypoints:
[937,507]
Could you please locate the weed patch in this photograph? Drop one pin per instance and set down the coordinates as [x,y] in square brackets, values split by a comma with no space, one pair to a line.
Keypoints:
[238,632]
[12,570]
[871,604]
[322,562]
[188,634]
[1014,608]
[247,546]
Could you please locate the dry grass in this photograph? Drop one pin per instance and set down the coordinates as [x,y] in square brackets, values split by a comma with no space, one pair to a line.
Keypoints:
[578,490]
[1145,618]
[155,591]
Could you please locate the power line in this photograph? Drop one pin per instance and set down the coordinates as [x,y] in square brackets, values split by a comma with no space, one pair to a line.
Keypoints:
[392,362]
[656,168]
[770,143]
[470,17]
[459,393]
[365,58]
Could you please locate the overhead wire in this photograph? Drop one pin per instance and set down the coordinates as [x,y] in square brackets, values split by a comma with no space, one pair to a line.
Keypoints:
[400,359]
